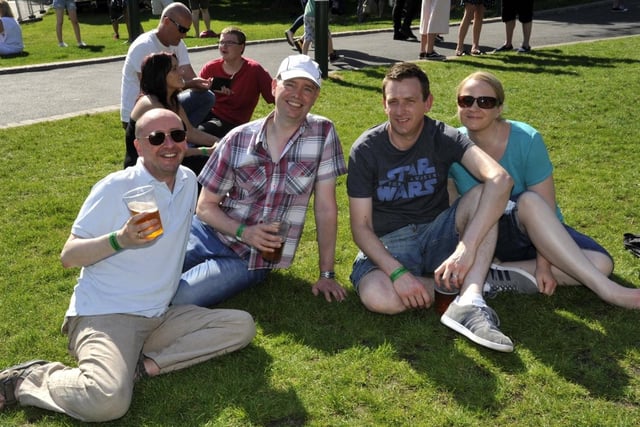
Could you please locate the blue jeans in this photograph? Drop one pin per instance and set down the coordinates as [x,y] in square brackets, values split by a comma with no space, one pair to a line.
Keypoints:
[421,248]
[212,272]
[197,104]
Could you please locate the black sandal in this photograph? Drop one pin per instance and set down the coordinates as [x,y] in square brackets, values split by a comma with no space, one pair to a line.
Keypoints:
[9,379]
[632,243]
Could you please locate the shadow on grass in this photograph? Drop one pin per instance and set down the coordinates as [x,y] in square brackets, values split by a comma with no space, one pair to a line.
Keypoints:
[211,393]
[546,61]
[581,337]
[573,333]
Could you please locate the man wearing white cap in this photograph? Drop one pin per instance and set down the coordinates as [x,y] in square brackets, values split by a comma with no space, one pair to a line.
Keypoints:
[264,169]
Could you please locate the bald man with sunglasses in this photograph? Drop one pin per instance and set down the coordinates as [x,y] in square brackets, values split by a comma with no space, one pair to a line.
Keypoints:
[120,325]
[175,22]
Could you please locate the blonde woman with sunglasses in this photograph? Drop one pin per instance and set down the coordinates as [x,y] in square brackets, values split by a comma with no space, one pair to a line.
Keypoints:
[532,235]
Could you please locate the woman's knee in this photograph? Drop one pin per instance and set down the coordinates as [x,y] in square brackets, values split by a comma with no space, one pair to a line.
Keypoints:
[601,261]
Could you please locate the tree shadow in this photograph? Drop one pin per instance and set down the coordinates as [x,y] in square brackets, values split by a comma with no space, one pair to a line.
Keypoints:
[285,305]
[559,331]
[355,60]
[206,392]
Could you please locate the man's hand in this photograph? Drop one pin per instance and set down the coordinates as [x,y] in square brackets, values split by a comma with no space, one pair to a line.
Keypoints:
[451,273]
[330,288]
[137,230]
[412,291]
[198,83]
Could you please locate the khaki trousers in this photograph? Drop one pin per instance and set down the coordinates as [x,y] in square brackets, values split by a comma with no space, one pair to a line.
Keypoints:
[108,347]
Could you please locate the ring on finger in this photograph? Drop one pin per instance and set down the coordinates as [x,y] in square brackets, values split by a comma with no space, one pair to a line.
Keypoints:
[139,235]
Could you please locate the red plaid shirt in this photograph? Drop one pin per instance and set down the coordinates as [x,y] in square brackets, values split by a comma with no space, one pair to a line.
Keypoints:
[255,186]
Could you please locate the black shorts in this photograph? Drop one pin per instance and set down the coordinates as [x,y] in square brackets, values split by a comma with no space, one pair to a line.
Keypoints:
[523,9]
[116,9]
[514,245]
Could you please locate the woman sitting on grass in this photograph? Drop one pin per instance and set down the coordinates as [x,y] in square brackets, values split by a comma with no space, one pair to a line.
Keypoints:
[10,31]
[160,83]
[531,234]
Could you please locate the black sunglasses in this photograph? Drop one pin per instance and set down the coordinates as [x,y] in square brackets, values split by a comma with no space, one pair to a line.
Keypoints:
[183,30]
[484,102]
[157,137]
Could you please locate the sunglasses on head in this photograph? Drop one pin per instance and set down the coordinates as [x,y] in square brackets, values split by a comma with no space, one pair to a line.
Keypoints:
[183,30]
[484,102]
[157,137]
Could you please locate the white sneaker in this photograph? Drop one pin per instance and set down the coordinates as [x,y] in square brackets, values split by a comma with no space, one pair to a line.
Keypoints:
[82,44]
[63,44]
[479,324]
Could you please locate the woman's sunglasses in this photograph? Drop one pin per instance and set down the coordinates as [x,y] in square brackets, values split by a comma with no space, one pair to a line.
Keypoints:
[183,30]
[484,102]
[157,137]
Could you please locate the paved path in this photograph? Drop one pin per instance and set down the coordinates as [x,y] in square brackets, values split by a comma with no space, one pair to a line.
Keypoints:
[45,92]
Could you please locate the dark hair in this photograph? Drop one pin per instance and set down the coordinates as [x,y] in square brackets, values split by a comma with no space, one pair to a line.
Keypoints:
[153,78]
[405,70]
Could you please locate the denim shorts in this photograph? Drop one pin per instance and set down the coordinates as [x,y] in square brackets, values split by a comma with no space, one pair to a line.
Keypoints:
[514,245]
[64,4]
[421,248]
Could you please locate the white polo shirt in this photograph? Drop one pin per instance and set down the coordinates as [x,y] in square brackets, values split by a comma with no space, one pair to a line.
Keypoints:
[143,280]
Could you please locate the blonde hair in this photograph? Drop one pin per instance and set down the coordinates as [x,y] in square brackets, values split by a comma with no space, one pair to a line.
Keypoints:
[488,78]
[5,9]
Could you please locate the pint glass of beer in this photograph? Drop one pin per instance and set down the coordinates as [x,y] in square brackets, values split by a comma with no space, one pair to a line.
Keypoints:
[143,200]
[283,230]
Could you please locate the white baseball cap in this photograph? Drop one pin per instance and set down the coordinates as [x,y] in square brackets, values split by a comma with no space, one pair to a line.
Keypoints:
[295,66]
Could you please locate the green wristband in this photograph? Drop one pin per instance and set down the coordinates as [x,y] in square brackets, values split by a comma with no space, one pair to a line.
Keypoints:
[397,273]
[114,242]
[239,231]
[204,151]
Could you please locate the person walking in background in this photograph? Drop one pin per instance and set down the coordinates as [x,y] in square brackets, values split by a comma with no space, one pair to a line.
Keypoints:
[238,83]
[290,33]
[473,10]
[198,6]
[411,241]
[10,32]
[618,6]
[531,232]
[310,31]
[70,6]
[173,26]
[118,11]
[523,10]
[434,21]
[403,13]
[120,325]
[269,167]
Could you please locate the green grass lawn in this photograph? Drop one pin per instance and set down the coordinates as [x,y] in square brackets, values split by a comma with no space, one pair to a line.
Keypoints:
[577,359]
[259,19]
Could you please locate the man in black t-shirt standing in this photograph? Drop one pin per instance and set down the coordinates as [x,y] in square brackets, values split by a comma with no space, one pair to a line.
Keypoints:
[411,241]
